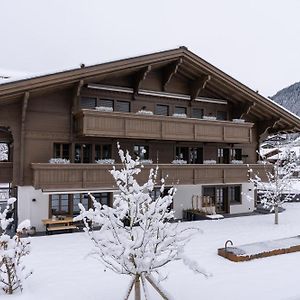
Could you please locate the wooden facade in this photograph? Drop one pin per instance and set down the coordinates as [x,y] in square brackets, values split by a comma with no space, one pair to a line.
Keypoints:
[196,113]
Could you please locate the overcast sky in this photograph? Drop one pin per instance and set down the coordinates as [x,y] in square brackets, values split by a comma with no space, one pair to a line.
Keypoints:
[255,41]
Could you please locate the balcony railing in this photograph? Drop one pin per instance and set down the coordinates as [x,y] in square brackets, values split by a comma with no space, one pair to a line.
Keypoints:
[128,125]
[6,172]
[94,176]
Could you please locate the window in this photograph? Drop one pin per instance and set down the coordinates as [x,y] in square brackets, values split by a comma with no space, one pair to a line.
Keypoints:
[80,198]
[196,155]
[234,194]
[182,153]
[180,110]
[102,152]
[59,204]
[162,110]
[223,156]
[221,115]
[197,113]
[123,106]
[236,154]
[61,150]
[88,102]
[156,193]
[103,198]
[142,151]
[4,152]
[83,153]
[105,103]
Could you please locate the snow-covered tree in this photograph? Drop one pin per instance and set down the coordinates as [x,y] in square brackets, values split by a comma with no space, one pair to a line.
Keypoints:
[12,251]
[277,189]
[3,151]
[135,237]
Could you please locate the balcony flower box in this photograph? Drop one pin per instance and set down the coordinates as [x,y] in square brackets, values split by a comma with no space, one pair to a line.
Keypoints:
[236,162]
[210,118]
[145,112]
[179,162]
[146,161]
[238,120]
[104,109]
[105,161]
[209,162]
[59,161]
[179,115]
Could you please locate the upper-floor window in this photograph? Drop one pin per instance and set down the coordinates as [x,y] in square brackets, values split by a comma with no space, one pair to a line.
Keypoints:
[225,155]
[221,115]
[142,151]
[123,106]
[105,103]
[192,155]
[102,152]
[234,194]
[61,150]
[4,152]
[162,110]
[197,113]
[180,110]
[236,154]
[83,153]
[88,102]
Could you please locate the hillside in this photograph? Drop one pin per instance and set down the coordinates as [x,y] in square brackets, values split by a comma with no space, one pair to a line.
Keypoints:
[289,98]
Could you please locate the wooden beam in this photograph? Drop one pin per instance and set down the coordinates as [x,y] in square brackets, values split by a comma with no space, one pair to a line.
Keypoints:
[22,142]
[169,72]
[247,109]
[198,85]
[139,78]
[75,102]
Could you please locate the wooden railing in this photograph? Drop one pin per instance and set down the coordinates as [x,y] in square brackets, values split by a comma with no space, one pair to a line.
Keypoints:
[6,172]
[128,125]
[94,176]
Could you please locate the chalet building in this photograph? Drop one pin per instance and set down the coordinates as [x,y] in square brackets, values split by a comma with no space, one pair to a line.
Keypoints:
[173,104]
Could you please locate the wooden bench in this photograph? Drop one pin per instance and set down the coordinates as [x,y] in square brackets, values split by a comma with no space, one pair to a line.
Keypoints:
[65,224]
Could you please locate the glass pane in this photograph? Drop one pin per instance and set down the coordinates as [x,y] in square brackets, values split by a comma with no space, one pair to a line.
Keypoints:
[87,153]
[105,103]
[197,113]
[65,151]
[77,158]
[56,150]
[180,110]
[162,110]
[221,115]
[123,106]
[85,201]
[141,151]
[182,153]
[88,102]
[106,152]
[97,152]
[104,198]
[76,200]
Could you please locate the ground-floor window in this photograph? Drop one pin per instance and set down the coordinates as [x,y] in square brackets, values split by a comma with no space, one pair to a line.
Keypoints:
[223,196]
[156,193]
[67,204]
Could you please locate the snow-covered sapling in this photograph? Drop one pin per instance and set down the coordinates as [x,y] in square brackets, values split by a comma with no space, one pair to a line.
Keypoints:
[276,189]
[134,236]
[12,251]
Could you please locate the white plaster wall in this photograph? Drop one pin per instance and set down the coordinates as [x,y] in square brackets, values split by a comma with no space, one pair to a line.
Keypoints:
[35,211]
[183,198]
[247,200]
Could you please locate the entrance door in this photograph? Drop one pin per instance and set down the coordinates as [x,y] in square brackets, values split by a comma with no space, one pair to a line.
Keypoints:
[221,200]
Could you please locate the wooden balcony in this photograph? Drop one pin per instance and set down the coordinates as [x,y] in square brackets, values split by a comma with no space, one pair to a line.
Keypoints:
[128,125]
[6,172]
[94,176]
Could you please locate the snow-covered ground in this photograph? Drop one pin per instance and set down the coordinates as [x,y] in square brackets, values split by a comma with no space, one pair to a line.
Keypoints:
[63,270]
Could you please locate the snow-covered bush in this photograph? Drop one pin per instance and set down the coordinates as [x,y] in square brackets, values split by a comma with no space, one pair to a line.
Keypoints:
[211,118]
[238,120]
[209,162]
[12,251]
[145,112]
[135,237]
[105,161]
[104,108]
[59,161]
[3,152]
[179,162]
[179,115]
[236,162]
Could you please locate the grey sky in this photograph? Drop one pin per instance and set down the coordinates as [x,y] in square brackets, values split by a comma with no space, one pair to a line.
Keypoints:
[257,41]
